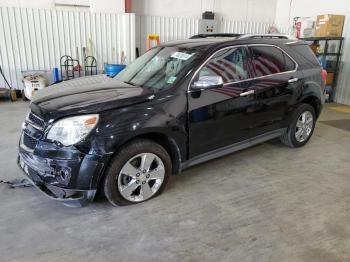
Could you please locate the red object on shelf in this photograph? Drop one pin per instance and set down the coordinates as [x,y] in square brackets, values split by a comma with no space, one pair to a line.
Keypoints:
[324,75]
[298,29]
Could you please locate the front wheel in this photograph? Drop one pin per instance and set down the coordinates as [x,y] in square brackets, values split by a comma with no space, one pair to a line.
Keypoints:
[139,172]
[301,128]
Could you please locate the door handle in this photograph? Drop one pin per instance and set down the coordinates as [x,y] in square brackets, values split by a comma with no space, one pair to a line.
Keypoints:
[293,80]
[250,92]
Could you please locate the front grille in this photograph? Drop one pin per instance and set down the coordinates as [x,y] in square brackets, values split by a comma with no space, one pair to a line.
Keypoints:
[28,141]
[36,120]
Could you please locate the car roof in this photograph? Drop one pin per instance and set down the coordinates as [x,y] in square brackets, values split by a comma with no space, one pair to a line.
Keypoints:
[226,41]
[190,43]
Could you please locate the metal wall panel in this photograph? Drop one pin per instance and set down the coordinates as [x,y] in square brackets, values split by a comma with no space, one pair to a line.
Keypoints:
[342,94]
[174,28]
[35,39]
[169,28]
[247,27]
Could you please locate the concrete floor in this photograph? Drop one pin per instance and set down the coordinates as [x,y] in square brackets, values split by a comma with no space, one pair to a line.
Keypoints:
[267,203]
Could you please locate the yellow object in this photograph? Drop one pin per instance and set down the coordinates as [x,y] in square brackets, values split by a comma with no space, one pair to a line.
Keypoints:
[342,109]
[152,38]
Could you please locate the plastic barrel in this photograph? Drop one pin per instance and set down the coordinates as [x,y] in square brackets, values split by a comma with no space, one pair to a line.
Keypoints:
[112,70]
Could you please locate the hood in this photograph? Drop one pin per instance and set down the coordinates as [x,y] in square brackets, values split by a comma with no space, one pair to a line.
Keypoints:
[87,95]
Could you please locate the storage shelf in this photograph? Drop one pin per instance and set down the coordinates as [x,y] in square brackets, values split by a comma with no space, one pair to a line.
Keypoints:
[321,38]
[334,68]
[328,54]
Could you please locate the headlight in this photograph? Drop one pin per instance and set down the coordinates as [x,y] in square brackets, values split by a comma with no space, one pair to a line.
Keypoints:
[71,130]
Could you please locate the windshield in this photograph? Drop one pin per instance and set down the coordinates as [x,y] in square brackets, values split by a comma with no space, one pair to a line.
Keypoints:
[159,68]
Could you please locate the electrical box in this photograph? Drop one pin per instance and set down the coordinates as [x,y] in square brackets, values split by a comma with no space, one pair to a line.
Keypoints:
[207,26]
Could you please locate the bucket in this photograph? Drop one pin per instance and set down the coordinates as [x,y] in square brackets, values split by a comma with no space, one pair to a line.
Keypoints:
[112,70]
[55,75]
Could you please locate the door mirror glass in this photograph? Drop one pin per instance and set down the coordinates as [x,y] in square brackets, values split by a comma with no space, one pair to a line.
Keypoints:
[206,82]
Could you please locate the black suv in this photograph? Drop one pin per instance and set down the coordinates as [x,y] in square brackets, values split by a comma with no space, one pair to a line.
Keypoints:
[180,104]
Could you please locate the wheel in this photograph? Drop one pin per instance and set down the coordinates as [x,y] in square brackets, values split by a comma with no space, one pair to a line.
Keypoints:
[301,128]
[139,172]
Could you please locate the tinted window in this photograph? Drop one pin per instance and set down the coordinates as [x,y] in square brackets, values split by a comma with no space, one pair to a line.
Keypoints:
[306,53]
[160,67]
[268,60]
[290,65]
[231,64]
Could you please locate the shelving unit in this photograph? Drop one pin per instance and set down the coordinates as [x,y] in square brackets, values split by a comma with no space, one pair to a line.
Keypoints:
[330,65]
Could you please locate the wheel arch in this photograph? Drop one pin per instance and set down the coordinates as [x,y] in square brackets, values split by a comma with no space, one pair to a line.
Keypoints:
[315,102]
[165,140]
[168,143]
[313,95]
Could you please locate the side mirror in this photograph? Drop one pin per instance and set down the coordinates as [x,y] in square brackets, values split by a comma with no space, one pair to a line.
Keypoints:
[207,82]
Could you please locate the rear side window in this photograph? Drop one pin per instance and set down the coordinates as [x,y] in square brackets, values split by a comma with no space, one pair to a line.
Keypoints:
[269,60]
[306,53]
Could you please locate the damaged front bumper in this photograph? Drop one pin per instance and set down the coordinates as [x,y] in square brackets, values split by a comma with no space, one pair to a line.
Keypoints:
[63,174]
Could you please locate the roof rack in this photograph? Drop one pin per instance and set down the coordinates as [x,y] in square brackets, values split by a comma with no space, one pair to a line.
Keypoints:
[214,35]
[274,36]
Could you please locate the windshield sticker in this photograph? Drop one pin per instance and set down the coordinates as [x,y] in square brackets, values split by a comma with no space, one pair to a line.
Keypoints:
[182,56]
[171,80]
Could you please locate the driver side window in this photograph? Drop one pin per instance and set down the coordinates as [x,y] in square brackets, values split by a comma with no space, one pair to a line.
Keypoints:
[230,64]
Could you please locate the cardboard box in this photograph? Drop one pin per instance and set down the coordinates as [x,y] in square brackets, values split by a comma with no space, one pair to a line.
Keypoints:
[329,26]
[314,47]
[330,79]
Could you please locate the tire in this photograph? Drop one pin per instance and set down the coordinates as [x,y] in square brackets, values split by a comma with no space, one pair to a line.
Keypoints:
[290,137]
[117,183]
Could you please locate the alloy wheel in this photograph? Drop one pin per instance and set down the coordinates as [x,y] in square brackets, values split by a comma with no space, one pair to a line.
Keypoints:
[141,177]
[304,126]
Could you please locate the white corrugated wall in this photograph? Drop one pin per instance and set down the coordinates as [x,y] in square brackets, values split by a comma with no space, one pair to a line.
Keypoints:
[175,28]
[342,94]
[169,28]
[35,39]
[246,27]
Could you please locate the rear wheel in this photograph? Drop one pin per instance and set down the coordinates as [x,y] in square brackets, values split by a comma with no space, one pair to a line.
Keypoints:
[301,128]
[139,172]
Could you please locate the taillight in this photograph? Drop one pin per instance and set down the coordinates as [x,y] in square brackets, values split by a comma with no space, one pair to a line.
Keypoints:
[324,76]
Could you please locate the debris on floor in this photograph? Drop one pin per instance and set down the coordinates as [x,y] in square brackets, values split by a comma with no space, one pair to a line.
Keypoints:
[16,183]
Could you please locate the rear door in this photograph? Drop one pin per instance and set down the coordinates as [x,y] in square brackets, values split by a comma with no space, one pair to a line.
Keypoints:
[275,84]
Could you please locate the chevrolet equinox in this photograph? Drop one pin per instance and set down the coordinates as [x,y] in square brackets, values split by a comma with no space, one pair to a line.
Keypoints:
[180,104]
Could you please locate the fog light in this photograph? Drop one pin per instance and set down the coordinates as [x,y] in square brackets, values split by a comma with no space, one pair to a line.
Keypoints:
[64,176]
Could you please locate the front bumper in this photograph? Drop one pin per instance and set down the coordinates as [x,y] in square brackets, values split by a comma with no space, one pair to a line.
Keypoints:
[54,192]
[63,174]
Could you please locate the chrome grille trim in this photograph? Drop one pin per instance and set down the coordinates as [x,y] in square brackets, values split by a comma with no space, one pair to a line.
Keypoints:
[22,145]
[35,121]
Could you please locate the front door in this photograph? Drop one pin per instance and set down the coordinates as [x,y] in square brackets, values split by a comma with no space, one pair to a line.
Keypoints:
[221,116]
